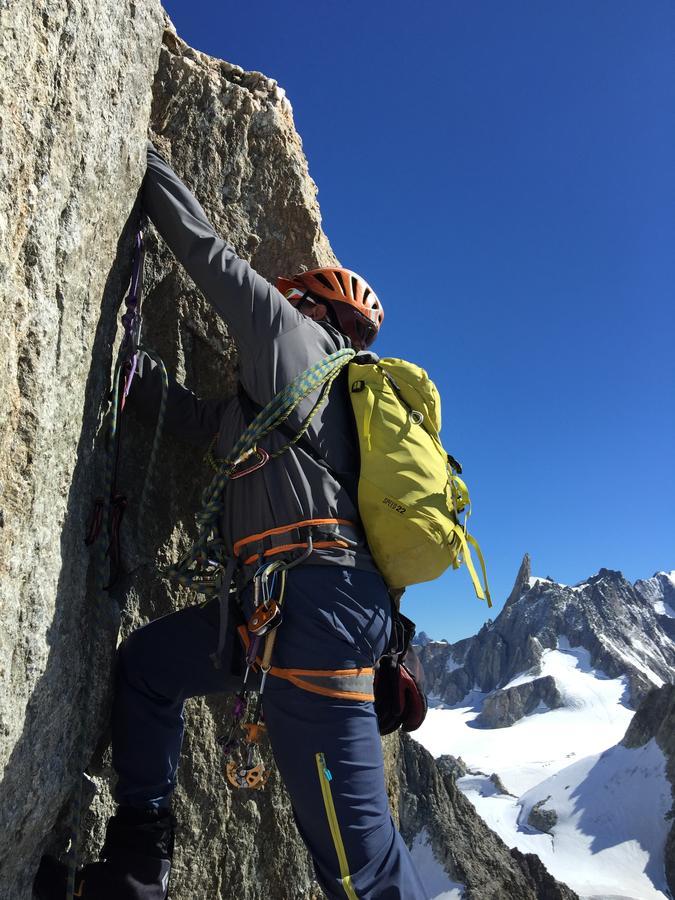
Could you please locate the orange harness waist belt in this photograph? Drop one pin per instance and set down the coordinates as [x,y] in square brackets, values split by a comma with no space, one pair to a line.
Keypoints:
[344,684]
[258,547]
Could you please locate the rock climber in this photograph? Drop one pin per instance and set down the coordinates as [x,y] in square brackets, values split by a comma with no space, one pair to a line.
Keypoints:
[337,609]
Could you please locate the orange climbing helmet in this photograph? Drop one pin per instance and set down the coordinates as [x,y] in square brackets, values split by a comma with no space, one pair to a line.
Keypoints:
[355,304]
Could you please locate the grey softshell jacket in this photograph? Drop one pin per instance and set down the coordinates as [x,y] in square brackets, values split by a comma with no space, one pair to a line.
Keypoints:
[275,343]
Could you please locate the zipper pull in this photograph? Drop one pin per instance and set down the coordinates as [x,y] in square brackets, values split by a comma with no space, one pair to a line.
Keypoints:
[326,770]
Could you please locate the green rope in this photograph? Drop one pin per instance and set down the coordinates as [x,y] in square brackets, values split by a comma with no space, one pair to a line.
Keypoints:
[159,428]
[202,566]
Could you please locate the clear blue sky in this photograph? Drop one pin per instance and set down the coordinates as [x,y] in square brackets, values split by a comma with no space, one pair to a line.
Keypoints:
[504,175]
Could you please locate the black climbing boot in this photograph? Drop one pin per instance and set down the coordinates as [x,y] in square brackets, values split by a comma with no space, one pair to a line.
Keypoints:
[134,863]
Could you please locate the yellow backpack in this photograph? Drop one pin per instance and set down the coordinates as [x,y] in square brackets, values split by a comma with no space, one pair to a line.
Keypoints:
[410,493]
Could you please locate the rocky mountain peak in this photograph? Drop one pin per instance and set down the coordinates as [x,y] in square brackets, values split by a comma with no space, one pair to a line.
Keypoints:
[603,574]
[522,578]
[659,590]
[628,630]
[421,639]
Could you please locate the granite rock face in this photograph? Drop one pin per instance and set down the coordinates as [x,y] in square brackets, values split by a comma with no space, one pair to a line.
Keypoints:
[503,708]
[75,97]
[82,84]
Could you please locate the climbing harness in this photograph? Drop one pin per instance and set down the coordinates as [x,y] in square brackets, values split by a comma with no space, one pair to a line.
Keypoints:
[204,565]
[207,567]
[269,591]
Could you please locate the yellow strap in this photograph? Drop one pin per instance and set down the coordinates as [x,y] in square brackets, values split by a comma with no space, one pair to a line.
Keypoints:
[482,595]
[474,543]
[460,493]
[368,406]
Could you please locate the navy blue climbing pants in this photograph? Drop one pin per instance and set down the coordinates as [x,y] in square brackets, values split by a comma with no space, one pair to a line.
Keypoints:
[327,750]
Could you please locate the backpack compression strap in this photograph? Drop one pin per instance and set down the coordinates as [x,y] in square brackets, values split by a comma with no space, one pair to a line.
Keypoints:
[482,591]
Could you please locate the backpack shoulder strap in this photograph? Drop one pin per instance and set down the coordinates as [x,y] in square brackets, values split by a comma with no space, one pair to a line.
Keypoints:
[251,409]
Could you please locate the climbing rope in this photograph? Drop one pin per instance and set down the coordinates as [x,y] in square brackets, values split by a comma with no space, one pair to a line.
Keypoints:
[204,565]
[103,533]
[159,428]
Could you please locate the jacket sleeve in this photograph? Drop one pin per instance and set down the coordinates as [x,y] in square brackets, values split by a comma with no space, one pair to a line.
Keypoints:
[187,416]
[254,310]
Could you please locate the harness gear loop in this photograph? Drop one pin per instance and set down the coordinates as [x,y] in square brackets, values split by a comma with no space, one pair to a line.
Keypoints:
[270,579]
[285,538]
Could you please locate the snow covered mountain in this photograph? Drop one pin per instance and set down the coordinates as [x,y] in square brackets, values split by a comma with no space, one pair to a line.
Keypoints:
[456,853]
[531,715]
[628,630]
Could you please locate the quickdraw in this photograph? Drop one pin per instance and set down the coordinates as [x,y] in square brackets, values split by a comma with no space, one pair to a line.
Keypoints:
[127,366]
[124,373]
[132,319]
[109,508]
[244,765]
[242,768]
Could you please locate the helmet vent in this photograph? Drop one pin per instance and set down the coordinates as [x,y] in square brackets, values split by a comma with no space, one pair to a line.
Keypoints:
[323,280]
[338,275]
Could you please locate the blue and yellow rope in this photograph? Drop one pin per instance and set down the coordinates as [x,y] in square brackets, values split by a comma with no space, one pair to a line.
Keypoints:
[202,566]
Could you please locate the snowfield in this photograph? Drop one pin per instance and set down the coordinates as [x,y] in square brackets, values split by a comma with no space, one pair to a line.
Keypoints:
[664,609]
[610,801]
[434,877]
